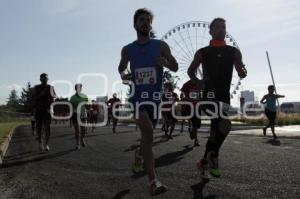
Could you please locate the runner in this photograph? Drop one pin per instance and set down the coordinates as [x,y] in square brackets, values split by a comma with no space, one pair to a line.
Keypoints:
[109,115]
[94,114]
[43,95]
[192,93]
[169,99]
[113,104]
[79,115]
[270,109]
[217,61]
[147,58]
[184,112]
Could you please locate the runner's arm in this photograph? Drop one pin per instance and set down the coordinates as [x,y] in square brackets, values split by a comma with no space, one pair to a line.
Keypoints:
[238,64]
[123,63]
[192,70]
[280,96]
[262,101]
[52,92]
[167,59]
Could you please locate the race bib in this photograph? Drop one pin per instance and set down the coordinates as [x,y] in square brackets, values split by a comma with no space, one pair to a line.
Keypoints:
[145,76]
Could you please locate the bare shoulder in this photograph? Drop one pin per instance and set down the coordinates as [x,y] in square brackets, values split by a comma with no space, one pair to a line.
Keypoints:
[237,52]
[164,46]
[198,55]
[124,51]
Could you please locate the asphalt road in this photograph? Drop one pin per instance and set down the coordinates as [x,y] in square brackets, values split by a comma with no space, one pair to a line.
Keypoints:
[251,167]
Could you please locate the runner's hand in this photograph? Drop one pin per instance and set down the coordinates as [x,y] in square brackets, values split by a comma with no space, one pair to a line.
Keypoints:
[242,72]
[126,78]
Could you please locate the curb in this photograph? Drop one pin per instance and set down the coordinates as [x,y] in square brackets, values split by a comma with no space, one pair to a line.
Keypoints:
[4,146]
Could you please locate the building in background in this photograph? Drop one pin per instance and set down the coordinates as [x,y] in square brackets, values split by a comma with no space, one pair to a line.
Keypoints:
[290,107]
[248,96]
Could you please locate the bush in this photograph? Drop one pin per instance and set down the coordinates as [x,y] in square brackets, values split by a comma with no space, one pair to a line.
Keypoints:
[282,119]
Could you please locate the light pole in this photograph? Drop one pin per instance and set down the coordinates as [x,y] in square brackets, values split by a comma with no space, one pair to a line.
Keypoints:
[272,78]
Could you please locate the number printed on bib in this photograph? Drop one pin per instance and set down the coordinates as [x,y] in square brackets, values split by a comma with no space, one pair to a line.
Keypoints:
[145,76]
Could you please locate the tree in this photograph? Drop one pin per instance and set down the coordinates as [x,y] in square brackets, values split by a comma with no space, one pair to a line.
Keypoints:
[13,100]
[25,98]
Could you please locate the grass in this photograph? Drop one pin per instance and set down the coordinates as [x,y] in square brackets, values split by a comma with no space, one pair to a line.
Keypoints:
[6,127]
[282,119]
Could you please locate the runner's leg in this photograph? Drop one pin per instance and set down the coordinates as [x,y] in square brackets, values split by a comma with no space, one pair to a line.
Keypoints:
[145,125]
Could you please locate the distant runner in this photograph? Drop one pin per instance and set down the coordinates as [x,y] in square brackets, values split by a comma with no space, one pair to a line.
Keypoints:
[42,97]
[270,109]
[79,116]
[113,104]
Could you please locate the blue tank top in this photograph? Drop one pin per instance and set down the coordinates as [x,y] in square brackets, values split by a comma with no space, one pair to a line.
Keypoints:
[146,74]
[271,103]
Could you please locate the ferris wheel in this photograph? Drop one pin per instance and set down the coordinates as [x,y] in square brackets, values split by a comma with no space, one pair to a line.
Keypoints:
[185,39]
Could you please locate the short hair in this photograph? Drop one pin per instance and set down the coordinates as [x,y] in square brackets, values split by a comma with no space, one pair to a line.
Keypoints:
[140,12]
[77,85]
[271,87]
[43,75]
[215,20]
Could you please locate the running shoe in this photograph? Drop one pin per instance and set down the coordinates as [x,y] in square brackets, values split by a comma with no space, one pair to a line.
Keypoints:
[156,187]
[138,164]
[213,165]
[47,148]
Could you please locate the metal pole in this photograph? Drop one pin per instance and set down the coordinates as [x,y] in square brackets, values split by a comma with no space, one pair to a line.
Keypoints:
[272,78]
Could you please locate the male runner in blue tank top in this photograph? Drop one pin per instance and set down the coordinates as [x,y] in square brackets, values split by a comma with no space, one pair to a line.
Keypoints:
[217,61]
[147,58]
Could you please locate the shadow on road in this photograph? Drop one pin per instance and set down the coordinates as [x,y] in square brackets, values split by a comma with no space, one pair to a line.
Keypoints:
[171,158]
[43,156]
[272,142]
[132,148]
[121,194]
[162,140]
[21,155]
[198,191]
[62,136]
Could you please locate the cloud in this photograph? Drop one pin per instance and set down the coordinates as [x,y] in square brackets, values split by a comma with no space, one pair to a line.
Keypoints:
[16,87]
[62,6]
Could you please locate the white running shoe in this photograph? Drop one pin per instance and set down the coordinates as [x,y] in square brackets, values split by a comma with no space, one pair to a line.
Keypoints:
[47,148]
[156,187]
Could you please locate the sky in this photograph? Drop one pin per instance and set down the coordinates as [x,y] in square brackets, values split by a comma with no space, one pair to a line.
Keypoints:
[73,40]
